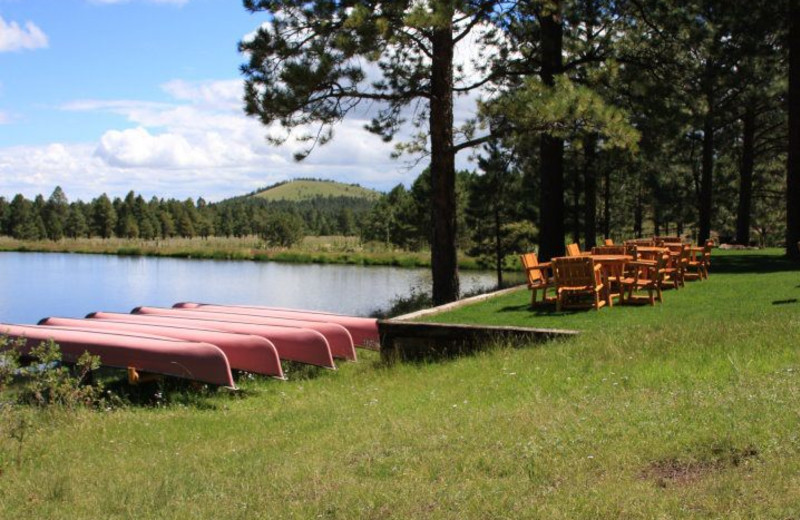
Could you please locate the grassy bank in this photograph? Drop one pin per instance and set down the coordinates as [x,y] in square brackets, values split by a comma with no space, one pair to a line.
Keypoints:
[683,410]
[318,250]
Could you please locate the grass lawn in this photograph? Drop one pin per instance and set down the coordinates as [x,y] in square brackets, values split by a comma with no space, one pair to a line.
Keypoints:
[684,410]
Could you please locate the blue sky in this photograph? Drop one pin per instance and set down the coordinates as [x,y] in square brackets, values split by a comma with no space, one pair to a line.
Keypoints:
[117,95]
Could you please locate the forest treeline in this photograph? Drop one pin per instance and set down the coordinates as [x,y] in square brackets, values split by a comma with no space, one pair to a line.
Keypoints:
[281,223]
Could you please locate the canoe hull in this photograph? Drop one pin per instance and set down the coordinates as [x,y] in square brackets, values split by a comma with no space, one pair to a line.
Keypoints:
[339,339]
[301,345]
[244,351]
[364,331]
[185,359]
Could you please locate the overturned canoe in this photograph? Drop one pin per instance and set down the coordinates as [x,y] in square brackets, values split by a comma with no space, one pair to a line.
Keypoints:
[338,337]
[364,331]
[185,359]
[293,344]
[244,351]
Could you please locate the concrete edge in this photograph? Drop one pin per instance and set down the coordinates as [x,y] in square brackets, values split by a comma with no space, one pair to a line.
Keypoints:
[457,304]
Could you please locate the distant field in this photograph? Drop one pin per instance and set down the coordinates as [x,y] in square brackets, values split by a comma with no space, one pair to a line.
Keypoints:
[299,190]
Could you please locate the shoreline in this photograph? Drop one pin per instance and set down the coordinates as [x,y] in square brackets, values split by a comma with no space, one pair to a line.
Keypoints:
[227,249]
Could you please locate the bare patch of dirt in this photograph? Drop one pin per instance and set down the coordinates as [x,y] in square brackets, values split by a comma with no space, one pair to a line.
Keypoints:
[677,472]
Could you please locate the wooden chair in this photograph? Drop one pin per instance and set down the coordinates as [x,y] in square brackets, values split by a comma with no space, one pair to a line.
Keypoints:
[539,276]
[676,267]
[648,242]
[647,276]
[575,277]
[609,250]
[667,240]
[575,250]
[613,272]
[699,262]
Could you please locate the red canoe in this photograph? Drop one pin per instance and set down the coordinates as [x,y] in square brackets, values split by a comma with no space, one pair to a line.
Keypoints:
[293,344]
[363,330]
[244,351]
[185,359]
[339,339]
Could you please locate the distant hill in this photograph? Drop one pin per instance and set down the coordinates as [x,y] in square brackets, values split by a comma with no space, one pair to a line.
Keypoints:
[299,190]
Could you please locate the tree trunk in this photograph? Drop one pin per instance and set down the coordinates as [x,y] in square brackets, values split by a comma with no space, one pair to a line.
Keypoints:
[706,175]
[746,175]
[607,203]
[576,205]
[793,166]
[590,190]
[657,219]
[551,172]
[498,246]
[638,214]
[444,260]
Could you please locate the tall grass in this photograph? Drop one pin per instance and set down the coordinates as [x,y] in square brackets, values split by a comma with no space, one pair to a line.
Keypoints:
[319,250]
[683,410]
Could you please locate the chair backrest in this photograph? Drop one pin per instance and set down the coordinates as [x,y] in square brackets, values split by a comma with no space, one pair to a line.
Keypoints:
[648,242]
[608,250]
[686,253]
[707,250]
[661,264]
[608,242]
[576,271]
[529,262]
[573,250]
[667,240]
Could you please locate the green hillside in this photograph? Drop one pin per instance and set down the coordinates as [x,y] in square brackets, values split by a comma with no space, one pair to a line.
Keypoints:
[307,189]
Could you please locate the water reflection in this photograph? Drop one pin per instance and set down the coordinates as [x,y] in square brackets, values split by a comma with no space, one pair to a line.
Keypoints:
[35,285]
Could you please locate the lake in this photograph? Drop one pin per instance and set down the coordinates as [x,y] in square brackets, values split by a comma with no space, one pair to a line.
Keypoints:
[37,285]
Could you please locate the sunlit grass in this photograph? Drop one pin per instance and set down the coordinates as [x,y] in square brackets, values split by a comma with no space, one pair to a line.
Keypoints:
[685,410]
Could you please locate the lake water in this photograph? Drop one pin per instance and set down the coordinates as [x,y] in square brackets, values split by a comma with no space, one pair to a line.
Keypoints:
[37,285]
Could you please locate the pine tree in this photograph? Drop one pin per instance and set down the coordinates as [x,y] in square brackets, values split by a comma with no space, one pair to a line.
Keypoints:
[321,77]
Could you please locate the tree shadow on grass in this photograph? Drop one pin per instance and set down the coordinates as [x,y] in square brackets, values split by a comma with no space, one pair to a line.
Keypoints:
[740,264]
[545,309]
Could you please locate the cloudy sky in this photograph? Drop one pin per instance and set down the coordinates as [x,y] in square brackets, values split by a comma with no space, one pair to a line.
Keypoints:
[117,95]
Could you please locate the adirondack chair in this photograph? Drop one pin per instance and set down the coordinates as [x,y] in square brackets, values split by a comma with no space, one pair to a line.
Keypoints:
[647,276]
[609,250]
[613,272]
[699,262]
[575,250]
[662,241]
[648,242]
[575,277]
[539,276]
[676,267]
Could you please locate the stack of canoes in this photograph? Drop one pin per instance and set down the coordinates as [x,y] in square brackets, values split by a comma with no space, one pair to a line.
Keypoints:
[204,342]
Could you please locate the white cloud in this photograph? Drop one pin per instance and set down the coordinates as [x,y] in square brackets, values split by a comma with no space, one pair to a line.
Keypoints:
[14,37]
[5,118]
[201,144]
[214,94]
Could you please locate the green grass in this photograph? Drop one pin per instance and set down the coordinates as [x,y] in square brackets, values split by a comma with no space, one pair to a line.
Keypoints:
[299,190]
[684,410]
